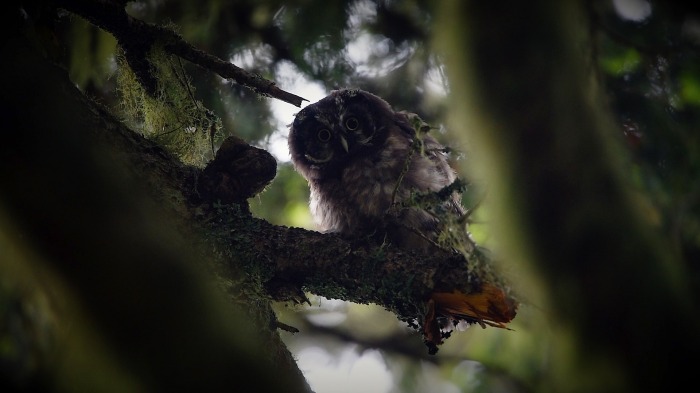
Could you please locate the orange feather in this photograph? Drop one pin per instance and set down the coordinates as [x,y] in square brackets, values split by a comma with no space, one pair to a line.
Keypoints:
[490,306]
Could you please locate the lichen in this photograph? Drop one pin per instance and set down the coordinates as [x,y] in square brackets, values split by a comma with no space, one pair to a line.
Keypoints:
[172,116]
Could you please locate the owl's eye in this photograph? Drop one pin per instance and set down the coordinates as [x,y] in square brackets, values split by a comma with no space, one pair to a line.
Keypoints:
[323,135]
[352,124]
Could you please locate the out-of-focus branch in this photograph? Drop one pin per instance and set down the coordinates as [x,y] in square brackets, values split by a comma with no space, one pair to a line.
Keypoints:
[563,205]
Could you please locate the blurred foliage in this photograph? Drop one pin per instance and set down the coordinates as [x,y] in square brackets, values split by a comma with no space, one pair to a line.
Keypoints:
[284,202]
[649,65]
[651,69]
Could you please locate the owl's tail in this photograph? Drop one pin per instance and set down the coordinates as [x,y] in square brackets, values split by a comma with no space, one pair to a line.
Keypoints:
[490,306]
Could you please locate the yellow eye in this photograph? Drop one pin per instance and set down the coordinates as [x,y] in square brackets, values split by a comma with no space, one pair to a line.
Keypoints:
[323,135]
[352,124]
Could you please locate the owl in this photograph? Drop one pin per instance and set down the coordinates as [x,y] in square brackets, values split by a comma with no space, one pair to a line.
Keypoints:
[368,167]
[372,171]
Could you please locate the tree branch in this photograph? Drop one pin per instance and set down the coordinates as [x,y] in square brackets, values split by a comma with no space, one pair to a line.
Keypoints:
[137,38]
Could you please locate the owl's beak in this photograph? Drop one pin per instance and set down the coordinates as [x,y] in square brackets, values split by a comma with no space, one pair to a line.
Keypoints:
[344,143]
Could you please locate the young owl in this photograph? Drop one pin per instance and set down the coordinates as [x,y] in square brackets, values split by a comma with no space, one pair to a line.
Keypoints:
[372,171]
[368,167]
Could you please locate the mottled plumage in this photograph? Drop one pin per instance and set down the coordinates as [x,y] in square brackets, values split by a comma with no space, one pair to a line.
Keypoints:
[363,161]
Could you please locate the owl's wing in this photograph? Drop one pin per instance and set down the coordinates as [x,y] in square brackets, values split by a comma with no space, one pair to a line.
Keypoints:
[415,129]
[419,212]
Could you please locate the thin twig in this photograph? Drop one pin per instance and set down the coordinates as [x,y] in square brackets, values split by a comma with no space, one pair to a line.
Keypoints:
[141,36]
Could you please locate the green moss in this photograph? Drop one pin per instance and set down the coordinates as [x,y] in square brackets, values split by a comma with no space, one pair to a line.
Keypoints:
[173,117]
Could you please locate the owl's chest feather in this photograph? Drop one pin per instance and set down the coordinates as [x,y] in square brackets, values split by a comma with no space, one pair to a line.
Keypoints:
[359,197]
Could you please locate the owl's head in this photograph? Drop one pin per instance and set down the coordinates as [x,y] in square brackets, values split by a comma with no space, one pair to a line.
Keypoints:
[347,123]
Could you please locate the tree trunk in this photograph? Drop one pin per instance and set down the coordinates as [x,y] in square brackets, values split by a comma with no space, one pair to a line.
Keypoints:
[621,307]
[102,260]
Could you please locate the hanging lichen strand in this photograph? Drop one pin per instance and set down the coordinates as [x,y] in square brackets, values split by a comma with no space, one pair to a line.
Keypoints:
[170,115]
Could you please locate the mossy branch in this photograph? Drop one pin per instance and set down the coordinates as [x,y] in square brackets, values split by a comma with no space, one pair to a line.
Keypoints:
[288,261]
[137,38]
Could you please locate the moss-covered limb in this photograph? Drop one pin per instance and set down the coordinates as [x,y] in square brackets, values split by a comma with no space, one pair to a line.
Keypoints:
[137,38]
[358,271]
[285,260]
[562,208]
